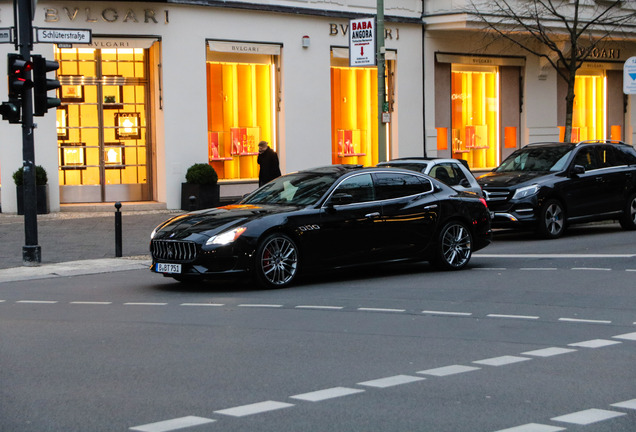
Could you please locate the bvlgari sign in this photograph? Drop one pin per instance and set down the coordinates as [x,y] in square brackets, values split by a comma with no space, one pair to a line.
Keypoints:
[109,15]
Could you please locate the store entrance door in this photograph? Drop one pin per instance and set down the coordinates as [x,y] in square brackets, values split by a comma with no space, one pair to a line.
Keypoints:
[102,125]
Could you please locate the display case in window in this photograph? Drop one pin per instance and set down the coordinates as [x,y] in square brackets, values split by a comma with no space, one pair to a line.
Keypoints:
[350,142]
[73,155]
[62,123]
[245,140]
[127,126]
[114,155]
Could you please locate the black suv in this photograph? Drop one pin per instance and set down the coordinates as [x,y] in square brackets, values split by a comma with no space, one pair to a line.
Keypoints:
[546,186]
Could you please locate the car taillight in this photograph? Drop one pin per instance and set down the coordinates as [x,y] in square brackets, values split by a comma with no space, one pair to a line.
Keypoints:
[483,201]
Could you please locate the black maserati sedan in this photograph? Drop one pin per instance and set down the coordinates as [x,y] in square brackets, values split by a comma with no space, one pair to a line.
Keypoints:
[548,186]
[324,218]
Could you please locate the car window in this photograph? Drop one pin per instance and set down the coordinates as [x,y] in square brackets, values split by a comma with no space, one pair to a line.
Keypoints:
[608,156]
[542,159]
[586,157]
[628,154]
[449,173]
[295,189]
[396,185]
[418,166]
[360,187]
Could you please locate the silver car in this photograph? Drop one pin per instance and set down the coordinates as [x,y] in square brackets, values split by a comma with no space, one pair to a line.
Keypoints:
[453,172]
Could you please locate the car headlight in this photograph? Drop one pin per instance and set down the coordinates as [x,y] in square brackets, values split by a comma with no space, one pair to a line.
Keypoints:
[526,191]
[226,237]
[153,233]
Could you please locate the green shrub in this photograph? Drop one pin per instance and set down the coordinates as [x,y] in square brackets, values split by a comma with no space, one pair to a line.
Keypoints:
[201,174]
[40,176]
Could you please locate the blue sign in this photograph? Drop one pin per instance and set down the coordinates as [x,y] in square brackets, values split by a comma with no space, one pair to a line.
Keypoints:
[629,76]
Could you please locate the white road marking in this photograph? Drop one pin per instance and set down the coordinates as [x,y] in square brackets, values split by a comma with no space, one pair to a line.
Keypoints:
[380,310]
[587,417]
[513,316]
[37,301]
[595,343]
[320,395]
[203,304]
[533,427]
[432,312]
[144,304]
[549,352]
[501,361]
[591,268]
[391,381]
[91,302]
[539,268]
[590,321]
[448,370]
[260,305]
[630,404]
[626,336]
[255,408]
[319,307]
[489,268]
[554,255]
[170,425]
[630,270]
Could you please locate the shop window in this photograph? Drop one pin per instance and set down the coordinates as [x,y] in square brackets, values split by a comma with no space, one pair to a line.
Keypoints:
[475,115]
[241,92]
[588,115]
[354,110]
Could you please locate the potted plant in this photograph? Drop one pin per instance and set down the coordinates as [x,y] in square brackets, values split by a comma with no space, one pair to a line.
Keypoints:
[41,187]
[202,184]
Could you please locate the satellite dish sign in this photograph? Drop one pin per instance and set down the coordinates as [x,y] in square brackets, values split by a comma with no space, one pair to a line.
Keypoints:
[629,76]
[362,42]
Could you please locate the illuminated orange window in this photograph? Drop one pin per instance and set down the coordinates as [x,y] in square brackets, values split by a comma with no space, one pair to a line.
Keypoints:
[475,115]
[354,111]
[241,91]
[588,115]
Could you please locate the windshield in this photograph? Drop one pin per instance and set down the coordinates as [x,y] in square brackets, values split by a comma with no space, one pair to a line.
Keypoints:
[419,166]
[293,189]
[538,159]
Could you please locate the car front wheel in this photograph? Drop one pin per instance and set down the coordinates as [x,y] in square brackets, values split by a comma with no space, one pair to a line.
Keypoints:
[552,219]
[277,261]
[454,247]
[628,219]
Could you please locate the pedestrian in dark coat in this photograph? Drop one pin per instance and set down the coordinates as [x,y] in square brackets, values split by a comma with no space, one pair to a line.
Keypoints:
[268,160]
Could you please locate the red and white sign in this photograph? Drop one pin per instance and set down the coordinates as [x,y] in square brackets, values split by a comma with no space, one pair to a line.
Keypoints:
[362,42]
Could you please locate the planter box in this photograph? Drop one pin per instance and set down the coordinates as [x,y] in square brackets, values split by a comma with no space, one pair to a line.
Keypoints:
[207,196]
[42,192]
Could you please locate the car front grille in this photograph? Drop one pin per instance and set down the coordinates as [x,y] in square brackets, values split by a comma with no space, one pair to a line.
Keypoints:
[495,195]
[173,250]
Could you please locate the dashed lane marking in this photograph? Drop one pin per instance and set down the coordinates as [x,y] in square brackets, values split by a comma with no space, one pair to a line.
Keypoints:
[320,395]
[203,304]
[528,317]
[255,408]
[144,304]
[170,425]
[434,312]
[549,352]
[595,343]
[391,381]
[501,361]
[591,268]
[319,307]
[366,309]
[533,427]
[539,268]
[590,321]
[626,336]
[448,370]
[91,302]
[629,404]
[259,305]
[588,416]
[37,301]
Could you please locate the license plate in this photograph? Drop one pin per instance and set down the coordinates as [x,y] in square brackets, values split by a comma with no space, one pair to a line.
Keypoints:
[168,268]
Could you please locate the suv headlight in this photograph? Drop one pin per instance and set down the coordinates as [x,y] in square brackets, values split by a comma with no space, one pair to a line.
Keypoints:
[526,191]
[226,237]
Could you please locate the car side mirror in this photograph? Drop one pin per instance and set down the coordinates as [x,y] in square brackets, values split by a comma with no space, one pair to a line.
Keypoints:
[464,183]
[577,170]
[340,199]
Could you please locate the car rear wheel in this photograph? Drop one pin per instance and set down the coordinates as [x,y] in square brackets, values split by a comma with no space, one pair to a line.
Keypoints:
[552,219]
[454,246]
[277,261]
[628,219]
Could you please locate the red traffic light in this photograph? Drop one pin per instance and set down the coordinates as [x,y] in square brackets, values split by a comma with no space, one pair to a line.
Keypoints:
[19,72]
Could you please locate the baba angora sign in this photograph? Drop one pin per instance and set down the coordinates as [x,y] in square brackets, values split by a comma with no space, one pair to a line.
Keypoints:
[362,42]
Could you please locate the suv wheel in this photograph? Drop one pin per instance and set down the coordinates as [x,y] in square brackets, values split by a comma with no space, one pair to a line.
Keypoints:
[552,219]
[628,219]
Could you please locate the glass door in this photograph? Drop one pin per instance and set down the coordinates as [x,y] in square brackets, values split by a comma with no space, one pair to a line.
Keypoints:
[102,125]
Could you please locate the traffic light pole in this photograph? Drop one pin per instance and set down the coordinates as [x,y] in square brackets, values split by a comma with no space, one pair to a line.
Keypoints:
[31,251]
[380,53]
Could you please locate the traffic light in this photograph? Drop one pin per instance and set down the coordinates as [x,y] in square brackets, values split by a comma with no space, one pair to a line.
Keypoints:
[11,111]
[19,72]
[41,85]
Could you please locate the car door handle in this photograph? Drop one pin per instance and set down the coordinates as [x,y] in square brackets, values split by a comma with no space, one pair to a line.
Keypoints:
[430,207]
[372,215]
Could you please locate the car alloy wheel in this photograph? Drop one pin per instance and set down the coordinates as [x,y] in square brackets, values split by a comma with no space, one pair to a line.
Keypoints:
[628,220]
[455,246]
[277,261]
[552,221]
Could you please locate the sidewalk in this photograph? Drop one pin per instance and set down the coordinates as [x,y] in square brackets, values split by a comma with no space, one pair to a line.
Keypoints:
[78,243]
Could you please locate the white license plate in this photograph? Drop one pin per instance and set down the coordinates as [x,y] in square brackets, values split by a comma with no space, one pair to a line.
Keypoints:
[168,268]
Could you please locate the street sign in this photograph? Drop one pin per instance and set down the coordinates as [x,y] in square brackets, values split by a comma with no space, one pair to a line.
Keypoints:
[362,42]
[5,35]
[55,35]
[629,76]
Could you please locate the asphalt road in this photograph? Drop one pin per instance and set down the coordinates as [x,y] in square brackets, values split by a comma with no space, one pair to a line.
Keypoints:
[536,336]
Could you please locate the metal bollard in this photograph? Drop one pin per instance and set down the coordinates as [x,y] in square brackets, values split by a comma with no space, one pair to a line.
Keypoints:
[118,253]
[193,201]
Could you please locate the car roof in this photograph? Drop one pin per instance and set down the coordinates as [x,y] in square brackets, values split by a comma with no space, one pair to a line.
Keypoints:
[577,144]
[424,159]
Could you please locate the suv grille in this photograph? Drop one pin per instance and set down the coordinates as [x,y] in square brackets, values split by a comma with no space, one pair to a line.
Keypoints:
[496,196]
[173,250]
